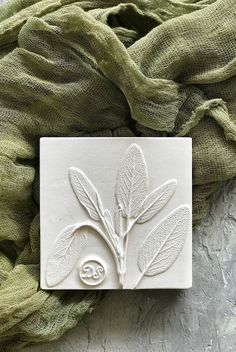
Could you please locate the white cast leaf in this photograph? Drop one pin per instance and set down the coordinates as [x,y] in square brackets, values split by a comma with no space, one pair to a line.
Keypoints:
[156,200]
[109,221]
[86,193]
[118,222]
[164,243]
[65,253]
[131,185]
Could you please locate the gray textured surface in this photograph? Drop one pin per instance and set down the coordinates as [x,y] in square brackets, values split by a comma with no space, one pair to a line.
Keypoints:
[202,319]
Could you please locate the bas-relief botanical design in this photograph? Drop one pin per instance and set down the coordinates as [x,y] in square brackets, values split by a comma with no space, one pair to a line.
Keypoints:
[134,205]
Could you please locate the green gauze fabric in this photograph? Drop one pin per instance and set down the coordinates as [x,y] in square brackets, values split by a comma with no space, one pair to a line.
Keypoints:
[102,68]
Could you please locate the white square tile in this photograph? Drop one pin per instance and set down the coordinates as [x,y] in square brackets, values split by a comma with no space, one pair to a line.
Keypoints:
[116,213]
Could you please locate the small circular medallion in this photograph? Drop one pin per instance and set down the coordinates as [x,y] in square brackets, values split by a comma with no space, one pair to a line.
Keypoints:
[92,272]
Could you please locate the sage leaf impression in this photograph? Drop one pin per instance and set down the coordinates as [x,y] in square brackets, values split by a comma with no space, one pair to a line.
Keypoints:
[109,221]
[156,200]
[67,247]
[86,193]
[132,183]
[133,206]
[164,243]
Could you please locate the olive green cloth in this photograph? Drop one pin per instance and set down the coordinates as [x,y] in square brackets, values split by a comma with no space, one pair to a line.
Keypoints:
[102,68]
